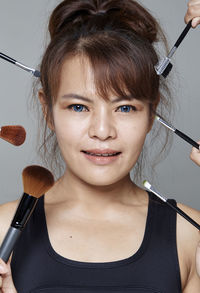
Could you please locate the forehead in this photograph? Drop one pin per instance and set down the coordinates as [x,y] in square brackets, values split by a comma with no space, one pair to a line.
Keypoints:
[77,76]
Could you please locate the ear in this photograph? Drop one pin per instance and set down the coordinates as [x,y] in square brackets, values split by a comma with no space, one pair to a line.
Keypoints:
[44,105]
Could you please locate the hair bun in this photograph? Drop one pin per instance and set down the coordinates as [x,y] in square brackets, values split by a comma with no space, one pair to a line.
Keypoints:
[126,14]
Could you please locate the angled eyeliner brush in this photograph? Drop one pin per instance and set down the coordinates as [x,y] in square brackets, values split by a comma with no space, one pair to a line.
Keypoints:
[36,73]
[164,66]
[178,132]
[148,186]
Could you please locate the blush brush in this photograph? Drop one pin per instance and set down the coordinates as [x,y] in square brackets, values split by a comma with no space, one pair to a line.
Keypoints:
[36,181]
[35,72]
[14,134]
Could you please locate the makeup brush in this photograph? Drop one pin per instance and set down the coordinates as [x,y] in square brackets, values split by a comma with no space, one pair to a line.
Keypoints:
[164,66]
[35,72]
[148,186]
[178,132]
[14,134]
[36,181]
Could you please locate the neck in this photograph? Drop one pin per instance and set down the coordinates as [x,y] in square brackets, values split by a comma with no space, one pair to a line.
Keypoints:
[71,188]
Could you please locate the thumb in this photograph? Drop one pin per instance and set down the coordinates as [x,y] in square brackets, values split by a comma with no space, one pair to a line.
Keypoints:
[6,281]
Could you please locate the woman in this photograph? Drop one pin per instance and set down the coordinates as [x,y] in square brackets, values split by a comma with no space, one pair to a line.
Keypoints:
[99,94]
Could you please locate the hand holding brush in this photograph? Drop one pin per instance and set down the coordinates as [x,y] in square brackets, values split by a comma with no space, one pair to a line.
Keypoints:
[37,181]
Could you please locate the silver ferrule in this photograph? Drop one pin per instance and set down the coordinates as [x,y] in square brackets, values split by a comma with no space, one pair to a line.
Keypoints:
[171,53]
[158,194]
[162,65]
[22,66]
[166,124]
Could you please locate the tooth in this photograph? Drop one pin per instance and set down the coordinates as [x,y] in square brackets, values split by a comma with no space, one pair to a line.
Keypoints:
[101,155]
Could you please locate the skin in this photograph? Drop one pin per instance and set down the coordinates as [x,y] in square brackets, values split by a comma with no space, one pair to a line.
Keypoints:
[98,192]
[195,157]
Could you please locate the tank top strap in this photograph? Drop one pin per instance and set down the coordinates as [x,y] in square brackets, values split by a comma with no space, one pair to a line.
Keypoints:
[164,234]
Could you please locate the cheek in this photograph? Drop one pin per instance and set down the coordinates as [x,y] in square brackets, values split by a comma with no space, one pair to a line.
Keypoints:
[135,133]
[68,132]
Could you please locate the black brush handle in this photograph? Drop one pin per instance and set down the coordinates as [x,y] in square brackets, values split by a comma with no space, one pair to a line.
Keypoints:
[9,243]
[7,58]
[187,138]
[184,215]
[184,33]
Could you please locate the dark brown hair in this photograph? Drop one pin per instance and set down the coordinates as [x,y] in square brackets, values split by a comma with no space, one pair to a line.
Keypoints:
[117,37]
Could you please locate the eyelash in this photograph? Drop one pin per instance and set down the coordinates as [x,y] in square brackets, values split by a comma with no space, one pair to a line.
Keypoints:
[127,107]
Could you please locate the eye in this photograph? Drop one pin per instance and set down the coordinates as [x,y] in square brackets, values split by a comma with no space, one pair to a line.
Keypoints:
[126,108]
[78,108]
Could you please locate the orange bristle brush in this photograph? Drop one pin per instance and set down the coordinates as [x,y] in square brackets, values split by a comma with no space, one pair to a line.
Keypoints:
[14,134]
[37,181]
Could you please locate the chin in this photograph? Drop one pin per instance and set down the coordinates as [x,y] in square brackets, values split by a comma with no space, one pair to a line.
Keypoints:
[103,181]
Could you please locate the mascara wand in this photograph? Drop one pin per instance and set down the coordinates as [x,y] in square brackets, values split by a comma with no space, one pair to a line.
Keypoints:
[14,134]
[164,66]
[35,72]
[37,181]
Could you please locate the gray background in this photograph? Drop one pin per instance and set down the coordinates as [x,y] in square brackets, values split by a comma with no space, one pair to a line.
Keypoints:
[23,25]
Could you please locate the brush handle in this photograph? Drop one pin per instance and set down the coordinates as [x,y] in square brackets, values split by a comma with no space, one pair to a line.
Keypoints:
[184,33]
[184,215]
[7,58]
[187,138]
[9,243]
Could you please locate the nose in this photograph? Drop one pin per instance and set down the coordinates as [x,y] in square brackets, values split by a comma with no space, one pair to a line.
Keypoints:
[102,125]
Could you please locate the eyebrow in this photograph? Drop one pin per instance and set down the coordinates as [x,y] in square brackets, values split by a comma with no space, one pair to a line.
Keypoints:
[82,98]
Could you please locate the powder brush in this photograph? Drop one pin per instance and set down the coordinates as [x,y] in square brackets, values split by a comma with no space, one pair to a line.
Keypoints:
[14,134]
[35,72]
[36,181]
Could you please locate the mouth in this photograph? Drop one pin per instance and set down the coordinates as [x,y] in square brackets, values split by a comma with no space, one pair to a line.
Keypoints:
[101,154]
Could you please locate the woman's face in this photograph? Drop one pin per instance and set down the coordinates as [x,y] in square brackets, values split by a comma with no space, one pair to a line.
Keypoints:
[100,140]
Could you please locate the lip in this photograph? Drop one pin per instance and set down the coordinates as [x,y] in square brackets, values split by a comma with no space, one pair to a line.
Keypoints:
[101,151]
[100,160]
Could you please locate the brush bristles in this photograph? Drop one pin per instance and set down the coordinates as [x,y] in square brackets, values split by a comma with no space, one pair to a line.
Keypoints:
[37,180]
[14,134]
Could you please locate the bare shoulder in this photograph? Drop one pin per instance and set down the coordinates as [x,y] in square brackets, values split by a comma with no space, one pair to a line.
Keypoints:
[7,211]
[188,238]
[186,231]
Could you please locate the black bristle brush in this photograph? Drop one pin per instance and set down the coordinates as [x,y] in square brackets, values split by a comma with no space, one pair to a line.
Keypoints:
[35,72]
[37,181]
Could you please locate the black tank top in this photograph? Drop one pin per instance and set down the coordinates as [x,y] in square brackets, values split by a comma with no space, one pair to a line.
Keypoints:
[154,268]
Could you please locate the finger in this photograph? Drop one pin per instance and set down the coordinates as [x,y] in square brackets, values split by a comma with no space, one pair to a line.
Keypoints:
[195,21]
[198,258]
[6,277]
[193,12]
